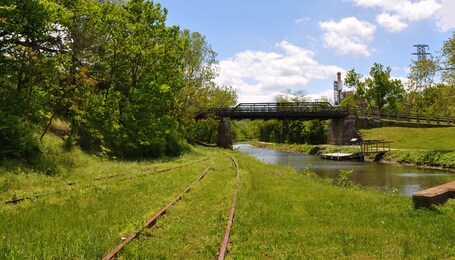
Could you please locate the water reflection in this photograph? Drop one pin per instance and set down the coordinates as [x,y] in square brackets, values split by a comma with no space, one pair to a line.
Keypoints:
[405,179]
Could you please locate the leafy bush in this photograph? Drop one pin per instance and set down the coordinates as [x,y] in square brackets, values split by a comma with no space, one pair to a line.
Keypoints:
[344,178]
[432,158]
[16,138]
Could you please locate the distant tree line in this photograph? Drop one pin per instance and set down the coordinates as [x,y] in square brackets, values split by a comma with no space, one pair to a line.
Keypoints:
[286,131]
[127,83]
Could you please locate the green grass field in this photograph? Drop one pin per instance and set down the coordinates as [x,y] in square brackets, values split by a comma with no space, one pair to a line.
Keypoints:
[442,139]
[280,213]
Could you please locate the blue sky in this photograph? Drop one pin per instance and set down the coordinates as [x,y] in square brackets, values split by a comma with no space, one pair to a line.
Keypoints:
[267,46]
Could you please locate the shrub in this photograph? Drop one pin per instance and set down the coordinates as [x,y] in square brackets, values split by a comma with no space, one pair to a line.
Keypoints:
[344,178]
[16,139]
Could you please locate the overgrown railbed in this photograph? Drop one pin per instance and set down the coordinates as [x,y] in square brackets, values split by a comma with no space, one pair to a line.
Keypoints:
[280,214]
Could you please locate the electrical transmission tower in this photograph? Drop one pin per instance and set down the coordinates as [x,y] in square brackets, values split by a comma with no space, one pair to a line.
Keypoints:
[421,51]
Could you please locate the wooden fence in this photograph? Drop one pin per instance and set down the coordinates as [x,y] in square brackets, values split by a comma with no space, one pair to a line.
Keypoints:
[406,117]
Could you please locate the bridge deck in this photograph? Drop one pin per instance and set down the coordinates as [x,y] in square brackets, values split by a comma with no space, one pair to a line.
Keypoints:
[293,110]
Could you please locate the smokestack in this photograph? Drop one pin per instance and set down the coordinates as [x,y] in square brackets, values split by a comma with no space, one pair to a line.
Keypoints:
[338,87]
[340,83]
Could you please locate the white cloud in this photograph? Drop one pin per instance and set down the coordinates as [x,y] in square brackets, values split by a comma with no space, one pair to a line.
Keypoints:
[301,20]
[258,76]
[446,19]
[396,14]
[350,35]
[323,95]
[391,22]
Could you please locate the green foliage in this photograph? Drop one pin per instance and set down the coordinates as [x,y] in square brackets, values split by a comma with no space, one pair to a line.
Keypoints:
[422,73]
[378,91]
[126,82]
[426,96]
[310,132]
[245,130]
[447,59]
[199,92]
[16,139]
[431,158]
[206,130]
[344,178]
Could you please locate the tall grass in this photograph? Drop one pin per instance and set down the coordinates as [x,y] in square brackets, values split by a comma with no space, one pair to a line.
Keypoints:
[280,214]
[84,221]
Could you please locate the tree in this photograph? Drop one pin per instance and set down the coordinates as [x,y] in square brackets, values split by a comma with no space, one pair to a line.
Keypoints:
[378,91]
[30,54]
[422,73]
[433,81]
[291,96]
[199,91]
[127,82]
[140,68]
[447,61]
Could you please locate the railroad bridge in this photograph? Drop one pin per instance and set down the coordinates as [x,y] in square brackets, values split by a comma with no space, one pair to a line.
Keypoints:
[341,125]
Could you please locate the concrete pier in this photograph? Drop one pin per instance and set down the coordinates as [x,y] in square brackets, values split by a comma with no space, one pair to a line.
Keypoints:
[342,130]
[224,139]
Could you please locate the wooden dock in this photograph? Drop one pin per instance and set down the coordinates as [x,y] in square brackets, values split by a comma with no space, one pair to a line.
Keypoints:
[342,156]
[434,196]
[365,148]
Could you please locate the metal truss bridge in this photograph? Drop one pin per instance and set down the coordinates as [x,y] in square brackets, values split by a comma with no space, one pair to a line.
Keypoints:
[281,111]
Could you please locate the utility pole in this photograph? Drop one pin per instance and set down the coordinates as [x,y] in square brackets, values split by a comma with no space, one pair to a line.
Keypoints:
[421,51]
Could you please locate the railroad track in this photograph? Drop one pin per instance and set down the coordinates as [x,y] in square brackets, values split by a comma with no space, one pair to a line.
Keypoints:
[224,244]
[115,177]
[150,223]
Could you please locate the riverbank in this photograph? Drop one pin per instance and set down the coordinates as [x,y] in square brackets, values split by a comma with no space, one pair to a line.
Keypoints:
[440,160]
[283,214]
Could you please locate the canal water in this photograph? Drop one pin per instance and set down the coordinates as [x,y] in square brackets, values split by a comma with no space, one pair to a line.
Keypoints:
[405,179]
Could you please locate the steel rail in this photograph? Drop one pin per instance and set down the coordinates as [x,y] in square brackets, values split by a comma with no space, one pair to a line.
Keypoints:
[227,233]
[152,221]
[156,171]
[71,184]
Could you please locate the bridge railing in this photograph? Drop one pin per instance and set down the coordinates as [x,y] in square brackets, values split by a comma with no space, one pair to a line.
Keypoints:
[406,116]
[283,107]
[374,146]
[280,110]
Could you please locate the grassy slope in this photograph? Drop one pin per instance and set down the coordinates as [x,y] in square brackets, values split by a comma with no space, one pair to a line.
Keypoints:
[414,138]
[420,146]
